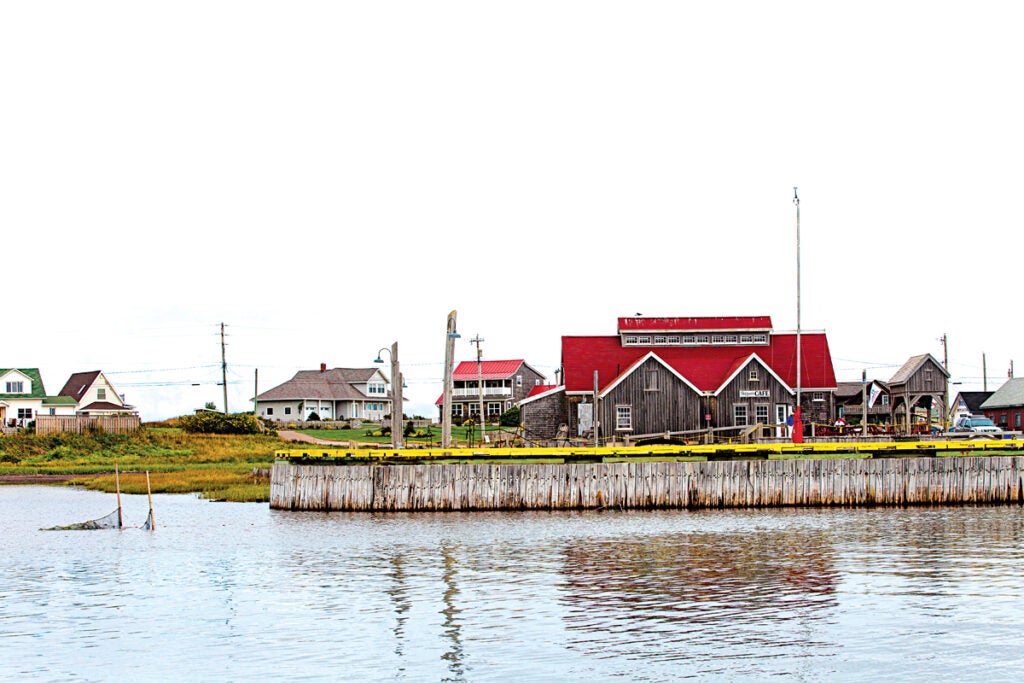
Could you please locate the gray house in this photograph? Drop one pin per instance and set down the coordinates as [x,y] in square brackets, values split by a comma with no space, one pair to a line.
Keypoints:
[335,394]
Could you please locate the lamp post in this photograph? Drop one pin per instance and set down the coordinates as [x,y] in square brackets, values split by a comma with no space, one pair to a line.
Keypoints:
[396,394]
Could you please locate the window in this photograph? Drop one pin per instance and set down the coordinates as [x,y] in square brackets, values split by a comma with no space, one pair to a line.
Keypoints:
[24,413]
[457,410]
[494,409]
[702,339]
[739,415]
[753,374]
[101,394]
[651,380]
[1016,421]
[660,340]
[672,340]
[718,339]
[631,340]
[760,339]
[623,418]
[519,380]
[15,387]
[761,414]
[1002,421]
[885,399]
[818,397]
[376,389]
[270,411]
[474,409]
[287,410]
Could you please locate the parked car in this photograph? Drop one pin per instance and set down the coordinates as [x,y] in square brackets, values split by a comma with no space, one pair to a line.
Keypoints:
[976,424]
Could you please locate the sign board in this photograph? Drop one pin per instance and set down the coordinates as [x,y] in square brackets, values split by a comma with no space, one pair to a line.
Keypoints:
[755,393]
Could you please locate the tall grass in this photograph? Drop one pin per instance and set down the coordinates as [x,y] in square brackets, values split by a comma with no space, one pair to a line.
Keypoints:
[215,466]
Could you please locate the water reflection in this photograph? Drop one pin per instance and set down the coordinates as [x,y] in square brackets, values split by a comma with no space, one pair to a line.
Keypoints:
[663,597]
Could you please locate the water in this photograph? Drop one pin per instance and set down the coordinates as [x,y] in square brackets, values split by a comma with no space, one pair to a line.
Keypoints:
[237,592]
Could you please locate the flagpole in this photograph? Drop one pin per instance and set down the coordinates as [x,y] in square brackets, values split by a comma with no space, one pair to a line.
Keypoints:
[798,427]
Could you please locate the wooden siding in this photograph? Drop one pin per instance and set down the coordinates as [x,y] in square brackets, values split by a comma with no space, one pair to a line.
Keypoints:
[672,406]
[78,424]
[730,396]
[755,483]
[541,418]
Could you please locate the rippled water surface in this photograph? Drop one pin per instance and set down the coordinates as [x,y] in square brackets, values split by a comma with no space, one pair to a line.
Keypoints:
[237,592]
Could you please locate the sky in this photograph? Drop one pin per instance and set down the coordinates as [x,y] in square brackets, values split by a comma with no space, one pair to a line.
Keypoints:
[326,178]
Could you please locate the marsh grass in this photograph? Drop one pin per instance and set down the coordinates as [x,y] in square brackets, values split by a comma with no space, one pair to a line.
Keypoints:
[215,466]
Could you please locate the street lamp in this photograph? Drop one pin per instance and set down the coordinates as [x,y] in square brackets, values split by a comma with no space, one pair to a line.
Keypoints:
[396,394]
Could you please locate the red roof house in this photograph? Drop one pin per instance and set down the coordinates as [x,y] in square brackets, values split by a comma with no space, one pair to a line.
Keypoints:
[661,375]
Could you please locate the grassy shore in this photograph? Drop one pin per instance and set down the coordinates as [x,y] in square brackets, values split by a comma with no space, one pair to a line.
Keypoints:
[214,466]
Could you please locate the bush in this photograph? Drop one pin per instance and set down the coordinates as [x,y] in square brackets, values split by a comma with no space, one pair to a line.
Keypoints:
[510,418]
[313,417]
[218,423]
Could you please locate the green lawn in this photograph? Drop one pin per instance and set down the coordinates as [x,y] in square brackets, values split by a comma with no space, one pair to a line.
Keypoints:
[371,434]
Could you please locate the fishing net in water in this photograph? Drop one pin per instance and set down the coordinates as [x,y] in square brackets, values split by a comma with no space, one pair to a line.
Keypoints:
[148,526]
[111,521]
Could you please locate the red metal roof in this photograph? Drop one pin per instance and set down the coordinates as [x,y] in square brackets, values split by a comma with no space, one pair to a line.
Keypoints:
[755,322]
[707,367]
[491,369]
[541,388]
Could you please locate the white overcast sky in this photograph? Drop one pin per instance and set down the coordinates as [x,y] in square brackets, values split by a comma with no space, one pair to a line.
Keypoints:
[326,178]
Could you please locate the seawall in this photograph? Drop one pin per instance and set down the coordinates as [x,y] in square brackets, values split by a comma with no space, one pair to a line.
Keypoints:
[741,483]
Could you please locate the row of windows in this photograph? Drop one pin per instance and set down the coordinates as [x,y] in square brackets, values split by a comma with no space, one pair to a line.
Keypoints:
[15,388]
[693,339]
[310,409]
[375,388]
[460,409]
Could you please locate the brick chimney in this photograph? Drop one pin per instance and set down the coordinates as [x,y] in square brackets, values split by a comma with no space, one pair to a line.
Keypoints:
[323,367]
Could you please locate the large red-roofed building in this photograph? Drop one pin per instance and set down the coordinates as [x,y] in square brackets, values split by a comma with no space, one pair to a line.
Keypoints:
[672,375]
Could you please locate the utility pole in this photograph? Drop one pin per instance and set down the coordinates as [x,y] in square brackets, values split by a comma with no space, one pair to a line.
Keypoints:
[480,381]
[224,368]
[446,401]
[256,392]
[984,373]
[864,398]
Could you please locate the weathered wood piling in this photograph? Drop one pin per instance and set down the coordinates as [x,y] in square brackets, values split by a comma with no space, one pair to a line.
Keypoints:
[741,483]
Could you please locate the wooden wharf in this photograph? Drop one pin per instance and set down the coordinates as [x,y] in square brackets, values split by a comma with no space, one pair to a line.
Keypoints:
[660,477]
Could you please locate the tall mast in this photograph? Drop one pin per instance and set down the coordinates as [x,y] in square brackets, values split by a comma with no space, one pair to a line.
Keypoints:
[796,202]
[798,426]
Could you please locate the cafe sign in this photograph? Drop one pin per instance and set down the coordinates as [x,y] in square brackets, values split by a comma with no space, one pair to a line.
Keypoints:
[755,393]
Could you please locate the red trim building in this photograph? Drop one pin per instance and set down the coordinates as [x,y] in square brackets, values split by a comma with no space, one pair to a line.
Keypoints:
[670,375]
[505,382]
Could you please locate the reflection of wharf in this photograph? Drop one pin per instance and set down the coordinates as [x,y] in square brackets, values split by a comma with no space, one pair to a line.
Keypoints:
[886,473]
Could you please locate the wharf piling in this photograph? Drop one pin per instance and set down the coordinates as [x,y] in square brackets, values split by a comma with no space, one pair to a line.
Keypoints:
[639,485]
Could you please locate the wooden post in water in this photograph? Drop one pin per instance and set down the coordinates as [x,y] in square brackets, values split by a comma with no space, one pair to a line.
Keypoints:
[117,485]
[149,494]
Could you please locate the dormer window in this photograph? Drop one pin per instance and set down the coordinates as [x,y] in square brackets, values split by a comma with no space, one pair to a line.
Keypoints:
[15,387]
[376,389]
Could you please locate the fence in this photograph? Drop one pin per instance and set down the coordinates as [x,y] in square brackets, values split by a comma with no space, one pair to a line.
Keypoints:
[117,424]
[749,483]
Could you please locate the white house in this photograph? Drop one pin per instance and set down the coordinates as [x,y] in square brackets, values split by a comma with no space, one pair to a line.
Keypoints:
[94,395]
[335,394]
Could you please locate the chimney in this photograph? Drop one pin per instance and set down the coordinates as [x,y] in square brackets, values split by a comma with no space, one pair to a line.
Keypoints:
[323,367]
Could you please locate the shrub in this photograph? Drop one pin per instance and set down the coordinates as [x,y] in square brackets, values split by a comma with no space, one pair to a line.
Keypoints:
[313,417]
[218,423]
[510,418]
